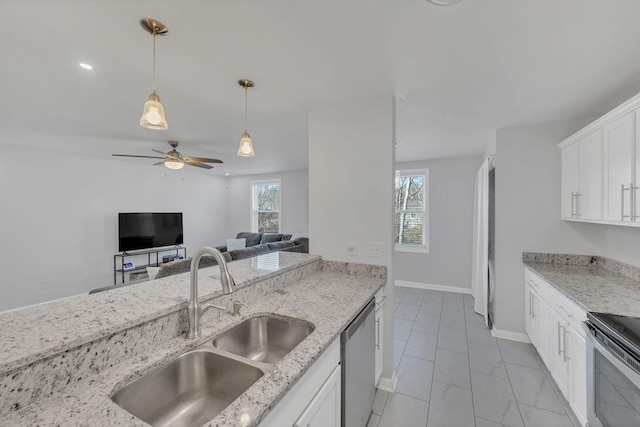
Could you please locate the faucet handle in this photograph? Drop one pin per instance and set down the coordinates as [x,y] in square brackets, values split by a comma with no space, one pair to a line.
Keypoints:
[236,307]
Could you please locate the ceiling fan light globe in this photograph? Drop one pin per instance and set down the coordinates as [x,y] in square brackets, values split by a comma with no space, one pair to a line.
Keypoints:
[153,114]
[246,146]
[174,164]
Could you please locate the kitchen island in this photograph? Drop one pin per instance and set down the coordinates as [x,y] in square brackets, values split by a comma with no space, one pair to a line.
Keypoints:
[62,361]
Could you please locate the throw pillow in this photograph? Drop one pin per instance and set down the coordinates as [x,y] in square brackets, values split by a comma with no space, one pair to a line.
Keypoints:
[152,272]
[271,237]
[233,244]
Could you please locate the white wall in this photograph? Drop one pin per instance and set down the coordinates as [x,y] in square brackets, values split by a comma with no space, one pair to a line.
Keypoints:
[619,243]
[351,180]
[351,160]
[451,195]
[294,202]
[59,217]
[528,212]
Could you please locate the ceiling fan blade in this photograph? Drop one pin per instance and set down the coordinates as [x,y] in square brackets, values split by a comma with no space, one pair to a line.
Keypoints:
[131,155]
[198,164]
[158,151]
[202,159]
[159,163]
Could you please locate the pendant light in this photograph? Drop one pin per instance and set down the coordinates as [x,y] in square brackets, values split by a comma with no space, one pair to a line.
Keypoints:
[153,113]
[246,145]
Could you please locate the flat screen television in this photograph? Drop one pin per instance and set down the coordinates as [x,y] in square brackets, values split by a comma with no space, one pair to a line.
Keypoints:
[146,230]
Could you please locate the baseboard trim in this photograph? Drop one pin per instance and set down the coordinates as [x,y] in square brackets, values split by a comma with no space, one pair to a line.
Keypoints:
[388,384]
[508,335]
[432,287]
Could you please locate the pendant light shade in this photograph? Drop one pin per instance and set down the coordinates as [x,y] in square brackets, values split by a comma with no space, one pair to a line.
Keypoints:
[246,145]
[153,114]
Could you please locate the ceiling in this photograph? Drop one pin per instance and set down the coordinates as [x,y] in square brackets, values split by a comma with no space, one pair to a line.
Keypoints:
[458,73]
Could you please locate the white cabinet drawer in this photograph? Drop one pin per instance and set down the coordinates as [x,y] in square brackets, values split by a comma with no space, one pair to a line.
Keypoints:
[568,310]
[540,285]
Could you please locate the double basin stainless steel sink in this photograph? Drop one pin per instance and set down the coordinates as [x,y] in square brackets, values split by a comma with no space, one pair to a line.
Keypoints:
[196,386]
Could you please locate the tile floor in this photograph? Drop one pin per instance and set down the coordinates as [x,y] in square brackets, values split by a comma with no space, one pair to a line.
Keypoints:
[452,372]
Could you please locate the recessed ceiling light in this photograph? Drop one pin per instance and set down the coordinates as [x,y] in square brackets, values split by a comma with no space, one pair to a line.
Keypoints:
[86,66]
[226,174]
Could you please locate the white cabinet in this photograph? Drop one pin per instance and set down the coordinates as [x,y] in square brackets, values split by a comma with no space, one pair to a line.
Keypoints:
[578,355]
[324,409]
[559,367]
[537,319]
[581,180]
[619,166]
[314,401]
[380,297]
[600,175]
[554,326]
[570,180]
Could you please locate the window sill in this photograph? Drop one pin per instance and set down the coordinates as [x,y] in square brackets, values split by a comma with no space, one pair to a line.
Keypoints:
[424,249]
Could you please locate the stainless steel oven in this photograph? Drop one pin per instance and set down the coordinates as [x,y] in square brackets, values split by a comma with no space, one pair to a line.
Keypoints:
[613,370]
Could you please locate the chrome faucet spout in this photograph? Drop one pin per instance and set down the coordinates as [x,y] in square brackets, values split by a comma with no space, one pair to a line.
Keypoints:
[194,311]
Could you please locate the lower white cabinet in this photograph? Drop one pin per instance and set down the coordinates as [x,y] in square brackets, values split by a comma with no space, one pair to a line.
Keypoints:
[314,401]
[380,297]
[553,324]
[324,409]
[538,321]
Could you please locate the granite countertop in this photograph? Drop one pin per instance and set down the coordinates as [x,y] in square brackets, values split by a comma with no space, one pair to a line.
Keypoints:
[328,298]
[595,283]
[66,323]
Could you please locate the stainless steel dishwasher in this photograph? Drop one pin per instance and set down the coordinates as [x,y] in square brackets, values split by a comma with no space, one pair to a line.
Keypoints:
[357,356]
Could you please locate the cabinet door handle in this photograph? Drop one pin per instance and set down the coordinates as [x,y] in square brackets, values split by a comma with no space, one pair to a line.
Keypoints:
[573,195]
[633,196]
[564,338]
[622,190]
[578,207]
[532,312]
[559,340]
[377,334]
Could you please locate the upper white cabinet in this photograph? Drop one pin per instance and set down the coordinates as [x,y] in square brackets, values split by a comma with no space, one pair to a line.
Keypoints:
[619,163]
[601,169]
[582,178]
[570,187]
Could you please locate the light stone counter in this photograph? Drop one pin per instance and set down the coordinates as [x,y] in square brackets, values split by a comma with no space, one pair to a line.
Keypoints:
[327,294]
[595,283]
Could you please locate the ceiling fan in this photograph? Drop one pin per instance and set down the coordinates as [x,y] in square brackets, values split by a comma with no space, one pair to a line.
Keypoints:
[175,160]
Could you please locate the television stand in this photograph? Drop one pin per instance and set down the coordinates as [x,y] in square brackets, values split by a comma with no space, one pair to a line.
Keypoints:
[120,260]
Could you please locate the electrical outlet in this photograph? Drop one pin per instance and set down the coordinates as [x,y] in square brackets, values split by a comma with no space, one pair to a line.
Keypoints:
[374,249]
[352,249]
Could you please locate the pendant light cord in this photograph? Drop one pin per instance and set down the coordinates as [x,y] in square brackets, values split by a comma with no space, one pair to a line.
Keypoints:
[246,89]
[154,58]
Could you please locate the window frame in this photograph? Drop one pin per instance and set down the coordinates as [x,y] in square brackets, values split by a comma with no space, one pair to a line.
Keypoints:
[404,247]
[254,203]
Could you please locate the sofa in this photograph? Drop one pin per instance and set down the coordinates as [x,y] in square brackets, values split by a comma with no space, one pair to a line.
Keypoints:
[262,243]
[256,244]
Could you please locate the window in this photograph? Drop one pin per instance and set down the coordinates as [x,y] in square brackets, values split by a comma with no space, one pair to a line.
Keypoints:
[265,206]
[411,221]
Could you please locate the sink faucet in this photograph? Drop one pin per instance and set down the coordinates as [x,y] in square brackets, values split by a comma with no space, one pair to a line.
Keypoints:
[194,311]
